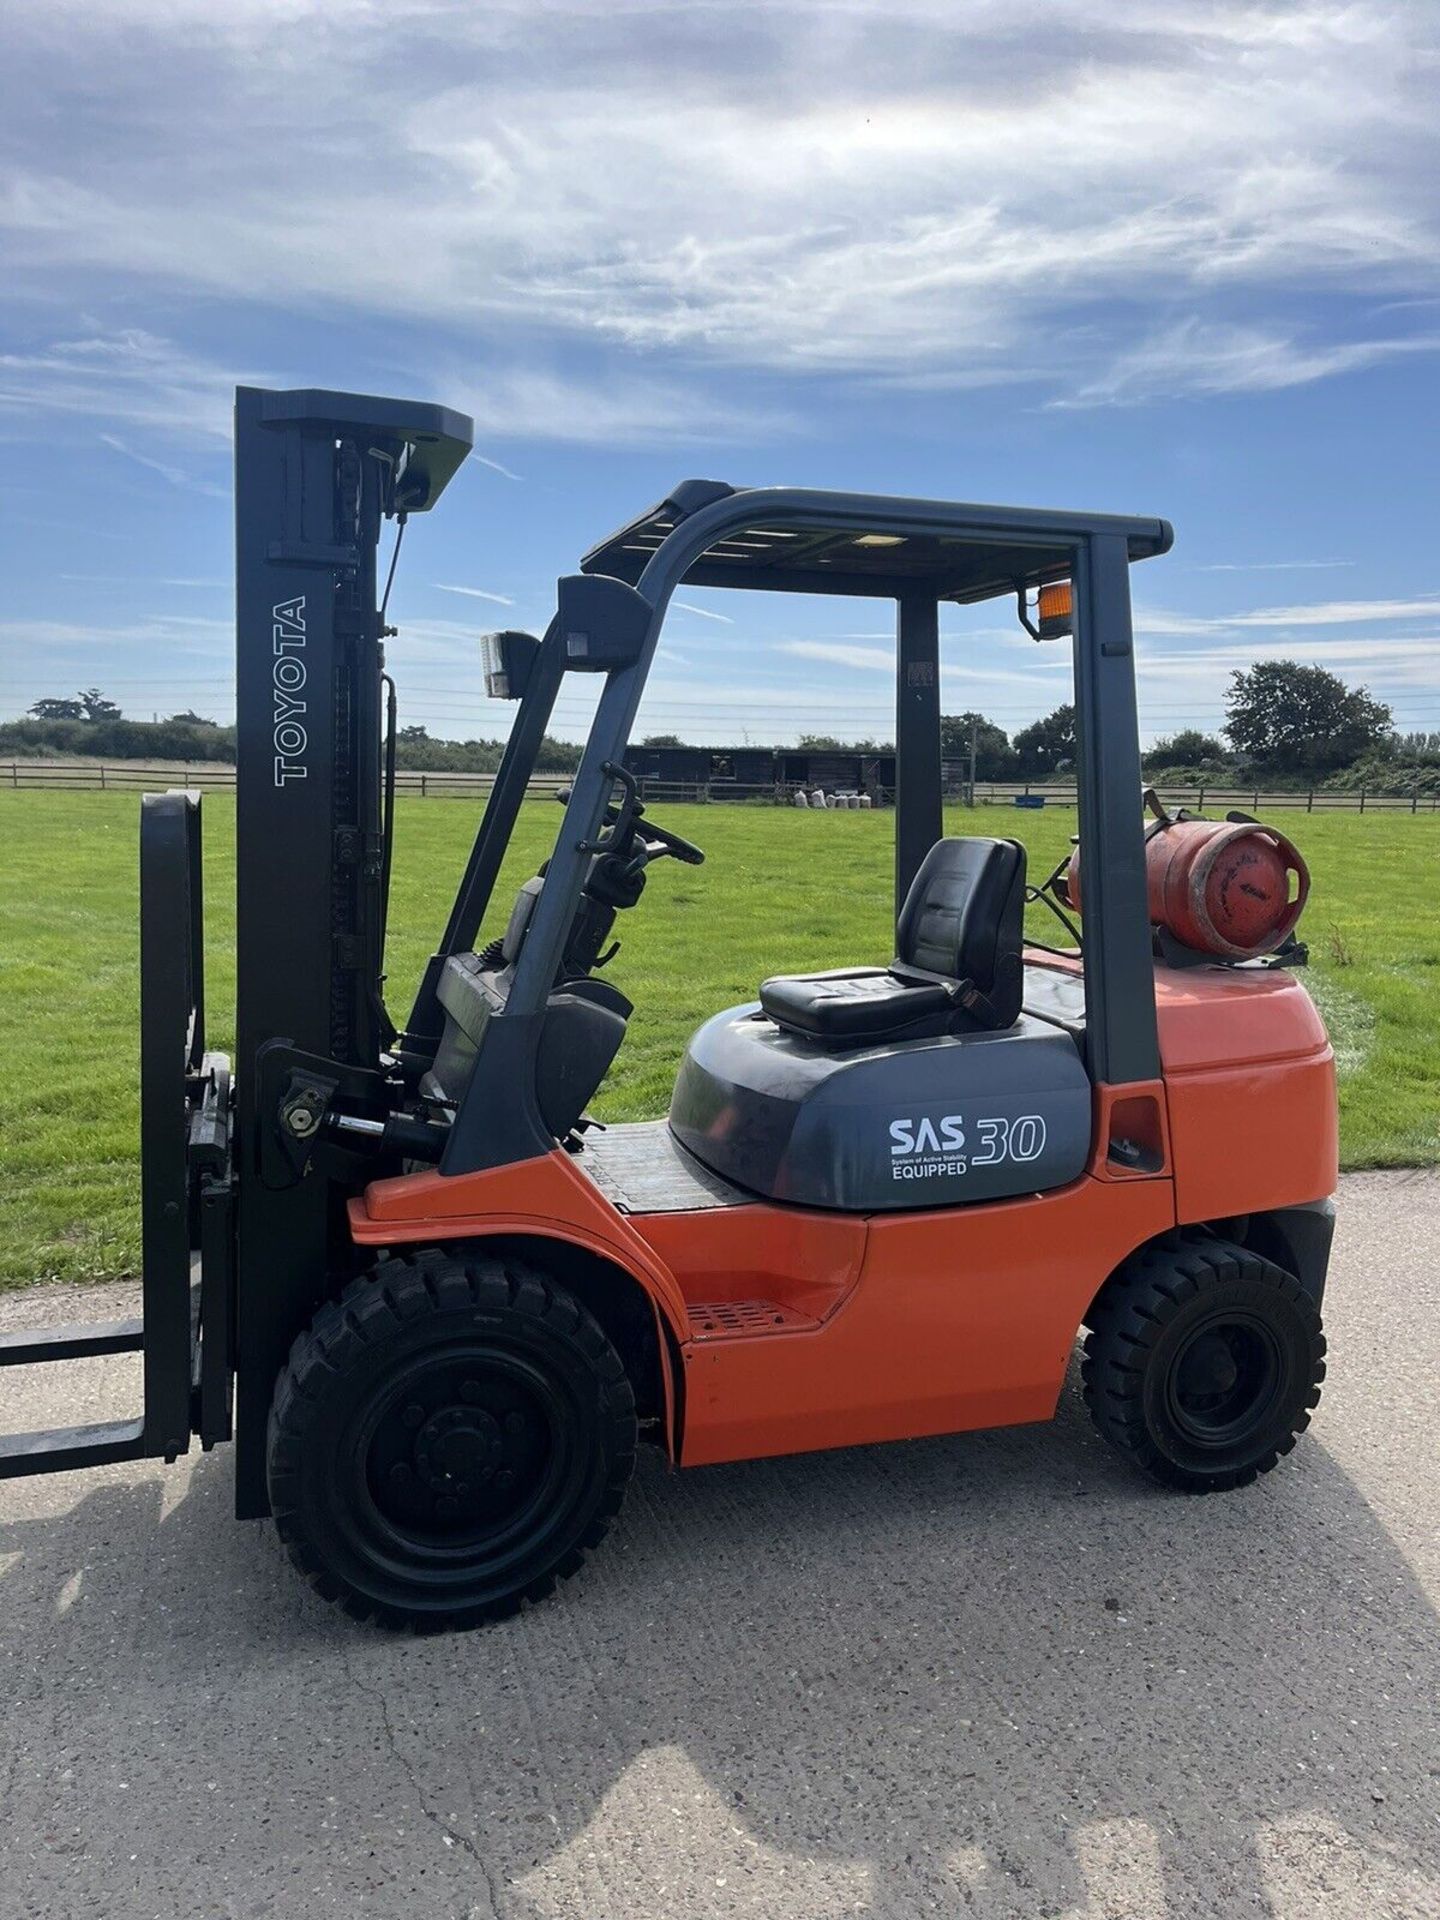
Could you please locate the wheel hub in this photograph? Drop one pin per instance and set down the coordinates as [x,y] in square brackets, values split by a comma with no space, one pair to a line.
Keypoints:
[463,1448]
[1209,1368]
[457,1448]
[1224,1381]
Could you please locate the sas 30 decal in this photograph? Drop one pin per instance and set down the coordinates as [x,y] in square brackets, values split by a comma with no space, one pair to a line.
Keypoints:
[926,1149]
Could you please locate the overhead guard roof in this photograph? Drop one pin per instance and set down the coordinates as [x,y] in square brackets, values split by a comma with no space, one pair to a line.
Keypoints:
[799,541]
[433,440]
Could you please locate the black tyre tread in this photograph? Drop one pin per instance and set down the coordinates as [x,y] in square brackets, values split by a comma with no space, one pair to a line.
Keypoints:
[1127,1319]
[399,1290]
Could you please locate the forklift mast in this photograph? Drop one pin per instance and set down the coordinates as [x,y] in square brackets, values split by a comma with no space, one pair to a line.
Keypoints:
[316,473]
[240,1213]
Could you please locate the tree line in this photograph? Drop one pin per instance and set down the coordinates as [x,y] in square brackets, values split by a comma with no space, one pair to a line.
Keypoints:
[90,725]
[1284,723]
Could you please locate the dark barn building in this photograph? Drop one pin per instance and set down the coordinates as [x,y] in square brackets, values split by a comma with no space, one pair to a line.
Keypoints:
[743,773]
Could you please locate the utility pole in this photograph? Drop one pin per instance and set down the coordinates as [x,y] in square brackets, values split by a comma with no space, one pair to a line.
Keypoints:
[974,738]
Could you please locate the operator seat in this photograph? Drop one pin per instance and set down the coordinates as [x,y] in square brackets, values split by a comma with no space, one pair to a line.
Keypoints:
[957,965]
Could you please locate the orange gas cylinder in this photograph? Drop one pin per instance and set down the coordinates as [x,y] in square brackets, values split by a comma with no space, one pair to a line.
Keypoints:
[1219,886]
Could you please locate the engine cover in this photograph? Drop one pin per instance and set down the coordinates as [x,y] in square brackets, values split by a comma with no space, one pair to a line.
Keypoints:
[928,1123]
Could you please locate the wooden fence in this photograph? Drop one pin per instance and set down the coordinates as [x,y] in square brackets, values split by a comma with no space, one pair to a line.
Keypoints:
[211,776]
[128,776]
[1251,799]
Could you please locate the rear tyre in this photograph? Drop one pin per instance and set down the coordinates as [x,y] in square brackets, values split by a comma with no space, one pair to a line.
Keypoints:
[1203,1364]
[447,1440]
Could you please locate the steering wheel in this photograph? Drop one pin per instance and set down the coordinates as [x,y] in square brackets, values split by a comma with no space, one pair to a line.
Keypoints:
[672,843]
[629,823]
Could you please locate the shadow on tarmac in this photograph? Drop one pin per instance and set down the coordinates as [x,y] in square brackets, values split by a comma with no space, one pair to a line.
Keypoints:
[963,1674]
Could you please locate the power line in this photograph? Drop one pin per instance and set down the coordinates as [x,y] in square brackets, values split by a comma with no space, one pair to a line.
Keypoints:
[467,699]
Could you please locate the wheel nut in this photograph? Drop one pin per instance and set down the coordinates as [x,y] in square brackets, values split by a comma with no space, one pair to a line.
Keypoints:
[514,1423]
[505,1478]
[413,1415]
[399,1473]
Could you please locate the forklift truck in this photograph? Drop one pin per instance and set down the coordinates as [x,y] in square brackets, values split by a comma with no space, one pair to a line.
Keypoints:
[438,1306]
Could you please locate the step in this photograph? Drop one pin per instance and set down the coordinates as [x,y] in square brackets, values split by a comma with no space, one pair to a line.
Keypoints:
[745,1320]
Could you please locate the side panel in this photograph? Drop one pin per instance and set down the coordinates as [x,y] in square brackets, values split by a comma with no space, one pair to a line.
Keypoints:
[1249,1086]
[804,1261]
[1249,1139]
[547,1195]
[959,1319]
[1250,1079]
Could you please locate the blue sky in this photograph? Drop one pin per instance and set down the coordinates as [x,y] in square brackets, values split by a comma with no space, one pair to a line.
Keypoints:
[1187,266]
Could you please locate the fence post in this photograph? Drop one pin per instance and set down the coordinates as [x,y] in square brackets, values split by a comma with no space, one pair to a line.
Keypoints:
[1310,801]
[424,787]
[1415,801]
[1255,808]
[14,775]
[102,776]
[1362,799]
[1200,803]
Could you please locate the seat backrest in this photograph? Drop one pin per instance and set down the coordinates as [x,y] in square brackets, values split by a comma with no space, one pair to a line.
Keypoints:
[963,918]
[521,914]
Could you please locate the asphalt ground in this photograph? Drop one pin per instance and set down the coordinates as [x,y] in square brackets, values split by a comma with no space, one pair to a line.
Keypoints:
[994,1675]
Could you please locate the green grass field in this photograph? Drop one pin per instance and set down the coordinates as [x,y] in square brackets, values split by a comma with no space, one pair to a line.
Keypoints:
[781,891]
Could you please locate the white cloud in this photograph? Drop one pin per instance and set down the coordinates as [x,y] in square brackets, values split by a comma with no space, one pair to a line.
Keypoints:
[176,476]
[477,593]
[979,670]
[182,652]
[916,193]
[495,466]
[1340,613]
[626,409]
[1163,622]
[837,653]
[140,580]
[128,377]
[1407,658]
[1269,566]
[1196,356]
[705,613]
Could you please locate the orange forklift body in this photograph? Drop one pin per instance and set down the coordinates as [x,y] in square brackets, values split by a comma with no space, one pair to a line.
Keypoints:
[796,1329]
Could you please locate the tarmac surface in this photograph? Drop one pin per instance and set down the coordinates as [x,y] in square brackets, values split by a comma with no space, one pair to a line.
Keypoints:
[993,1675]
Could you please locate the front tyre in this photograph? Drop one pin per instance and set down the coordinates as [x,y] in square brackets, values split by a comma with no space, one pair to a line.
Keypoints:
[447,1440]
[1203,1363]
